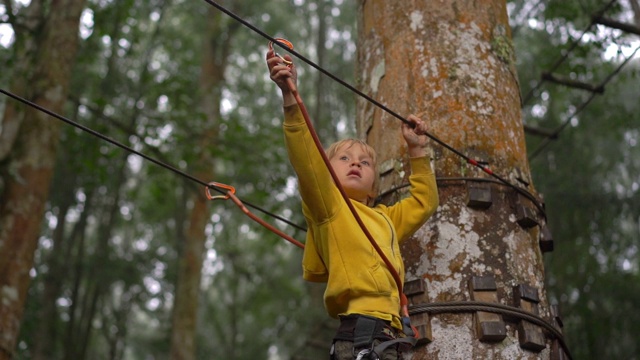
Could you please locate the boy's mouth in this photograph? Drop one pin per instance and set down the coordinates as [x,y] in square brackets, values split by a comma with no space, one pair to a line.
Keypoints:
[354,172]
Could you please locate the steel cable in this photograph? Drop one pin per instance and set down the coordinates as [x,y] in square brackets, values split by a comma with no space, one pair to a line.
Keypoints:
[497,308]
[133,151]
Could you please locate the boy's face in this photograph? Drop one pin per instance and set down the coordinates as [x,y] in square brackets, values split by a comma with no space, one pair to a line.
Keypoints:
[355,170]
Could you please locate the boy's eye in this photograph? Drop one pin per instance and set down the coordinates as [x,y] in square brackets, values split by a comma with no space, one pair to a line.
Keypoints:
[343,157]
[365,163]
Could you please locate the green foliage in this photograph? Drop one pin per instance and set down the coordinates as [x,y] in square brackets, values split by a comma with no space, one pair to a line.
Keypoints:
[594,217]
[589,176]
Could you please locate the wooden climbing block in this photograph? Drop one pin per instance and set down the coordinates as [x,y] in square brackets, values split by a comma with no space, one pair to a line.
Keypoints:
[490,327]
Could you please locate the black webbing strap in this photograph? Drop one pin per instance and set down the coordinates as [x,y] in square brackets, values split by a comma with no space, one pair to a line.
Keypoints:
[365,331]
[406,342]
[379,349]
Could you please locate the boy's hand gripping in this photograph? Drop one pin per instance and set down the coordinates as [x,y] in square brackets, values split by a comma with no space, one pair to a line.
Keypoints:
[281,68]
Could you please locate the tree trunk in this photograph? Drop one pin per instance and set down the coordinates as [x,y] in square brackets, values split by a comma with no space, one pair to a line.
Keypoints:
[46,333]
[452,64]
[75,252]
[28,166]
[216,43]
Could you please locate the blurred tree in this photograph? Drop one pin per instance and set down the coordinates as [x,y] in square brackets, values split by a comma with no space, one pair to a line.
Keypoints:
[217,39]
[45,49]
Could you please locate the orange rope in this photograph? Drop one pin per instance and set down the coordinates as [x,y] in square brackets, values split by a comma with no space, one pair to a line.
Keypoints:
[231,195]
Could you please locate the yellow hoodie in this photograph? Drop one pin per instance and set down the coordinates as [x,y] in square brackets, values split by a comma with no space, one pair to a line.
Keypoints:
[337,251]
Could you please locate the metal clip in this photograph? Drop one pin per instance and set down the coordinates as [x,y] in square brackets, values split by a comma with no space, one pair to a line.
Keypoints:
[362,353]
[207,191]
[286,43]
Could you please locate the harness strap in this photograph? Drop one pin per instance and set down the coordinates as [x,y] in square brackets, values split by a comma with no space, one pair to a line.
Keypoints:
[408,341]
[365,331]
[380,348]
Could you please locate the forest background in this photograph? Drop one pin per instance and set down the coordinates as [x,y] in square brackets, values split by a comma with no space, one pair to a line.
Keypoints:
[105,277]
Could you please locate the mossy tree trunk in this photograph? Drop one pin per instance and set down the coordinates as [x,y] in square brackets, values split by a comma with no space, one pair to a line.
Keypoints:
[46,47]
[452,64]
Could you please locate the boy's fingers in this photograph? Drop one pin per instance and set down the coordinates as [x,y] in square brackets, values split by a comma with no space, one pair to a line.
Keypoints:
[271,55]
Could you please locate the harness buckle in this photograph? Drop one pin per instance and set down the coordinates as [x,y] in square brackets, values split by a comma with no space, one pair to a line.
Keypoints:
[369,353]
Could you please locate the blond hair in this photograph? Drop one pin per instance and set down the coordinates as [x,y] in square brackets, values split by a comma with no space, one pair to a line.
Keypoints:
[333,149]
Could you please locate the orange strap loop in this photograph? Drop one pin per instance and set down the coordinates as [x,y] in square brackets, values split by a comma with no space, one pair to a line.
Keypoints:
[229,188]
[231,195]
[286,43]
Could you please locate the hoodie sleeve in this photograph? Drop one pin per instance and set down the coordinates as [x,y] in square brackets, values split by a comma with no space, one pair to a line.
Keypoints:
[409,214]
[319,194]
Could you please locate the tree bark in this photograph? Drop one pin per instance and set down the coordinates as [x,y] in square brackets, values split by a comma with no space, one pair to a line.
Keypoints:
[452,64]
[27,167]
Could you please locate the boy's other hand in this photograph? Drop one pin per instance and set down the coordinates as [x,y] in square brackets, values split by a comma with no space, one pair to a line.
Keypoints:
[415,136]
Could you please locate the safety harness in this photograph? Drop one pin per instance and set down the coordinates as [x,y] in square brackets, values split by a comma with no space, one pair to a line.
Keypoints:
[364,330]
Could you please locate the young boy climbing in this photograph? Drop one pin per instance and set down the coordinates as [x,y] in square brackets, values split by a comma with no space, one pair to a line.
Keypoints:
[361,290]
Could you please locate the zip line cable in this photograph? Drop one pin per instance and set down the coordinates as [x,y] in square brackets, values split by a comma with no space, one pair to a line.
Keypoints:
[146,157]
[469,160]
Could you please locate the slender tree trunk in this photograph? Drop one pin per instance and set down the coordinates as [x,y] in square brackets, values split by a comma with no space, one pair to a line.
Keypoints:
[48,317]
[216,43]
[28,167]
[452,64]
[75,253]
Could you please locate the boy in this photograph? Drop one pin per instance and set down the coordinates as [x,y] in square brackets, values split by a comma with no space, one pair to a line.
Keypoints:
[360,288]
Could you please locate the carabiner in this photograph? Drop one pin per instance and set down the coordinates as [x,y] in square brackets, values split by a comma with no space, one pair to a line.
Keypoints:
[286,43]
[368,353]
[207,191]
